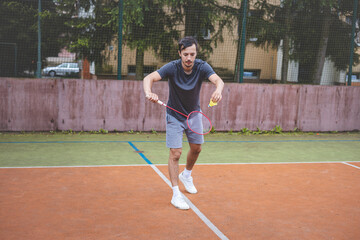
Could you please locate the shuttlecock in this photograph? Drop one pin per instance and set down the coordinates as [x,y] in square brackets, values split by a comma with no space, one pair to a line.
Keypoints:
[211,103]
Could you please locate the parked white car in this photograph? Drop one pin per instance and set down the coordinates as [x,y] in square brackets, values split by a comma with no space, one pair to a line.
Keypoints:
[63,69]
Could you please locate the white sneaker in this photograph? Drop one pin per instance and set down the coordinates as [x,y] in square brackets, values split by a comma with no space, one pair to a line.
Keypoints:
[188,183]
[179,202]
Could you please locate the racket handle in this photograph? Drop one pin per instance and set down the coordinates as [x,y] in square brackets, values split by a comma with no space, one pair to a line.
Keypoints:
[161,103]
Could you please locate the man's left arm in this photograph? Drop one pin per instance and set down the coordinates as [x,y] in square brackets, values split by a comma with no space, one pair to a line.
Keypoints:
[219,83]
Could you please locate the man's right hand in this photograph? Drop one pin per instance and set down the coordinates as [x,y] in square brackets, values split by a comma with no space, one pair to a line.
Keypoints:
[148,82]
[152,97]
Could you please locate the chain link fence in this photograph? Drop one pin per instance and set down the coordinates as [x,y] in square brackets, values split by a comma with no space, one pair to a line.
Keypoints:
[259,41]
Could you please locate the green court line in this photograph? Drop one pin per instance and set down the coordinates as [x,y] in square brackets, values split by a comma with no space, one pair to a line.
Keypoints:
[275,141]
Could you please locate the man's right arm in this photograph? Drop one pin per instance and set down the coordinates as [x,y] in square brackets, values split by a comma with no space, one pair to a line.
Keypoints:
[147,84]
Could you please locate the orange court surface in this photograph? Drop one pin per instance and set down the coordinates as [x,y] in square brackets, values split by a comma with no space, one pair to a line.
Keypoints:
[235,201]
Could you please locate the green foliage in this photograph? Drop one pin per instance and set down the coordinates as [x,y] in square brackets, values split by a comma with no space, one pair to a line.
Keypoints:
[200,17]
[86,27]
[258,131]
[147,26]
[304,19]
[212,130]
[245,131]
[103,131]
[277,129]
[153,131]
[92,29]
[70,131]
[19,25]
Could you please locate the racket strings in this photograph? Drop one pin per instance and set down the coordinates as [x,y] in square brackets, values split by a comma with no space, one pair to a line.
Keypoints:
[199,123]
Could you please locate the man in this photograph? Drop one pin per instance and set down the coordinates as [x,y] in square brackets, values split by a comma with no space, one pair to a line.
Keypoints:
[185,77]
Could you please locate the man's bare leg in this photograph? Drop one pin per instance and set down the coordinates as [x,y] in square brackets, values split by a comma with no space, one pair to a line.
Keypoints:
[173,165]
[192,155]
[185,176]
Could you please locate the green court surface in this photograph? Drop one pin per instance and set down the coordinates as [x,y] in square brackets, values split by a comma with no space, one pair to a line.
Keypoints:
[45,149]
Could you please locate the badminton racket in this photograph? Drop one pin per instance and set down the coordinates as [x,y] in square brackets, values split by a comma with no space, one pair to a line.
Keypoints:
[197,121]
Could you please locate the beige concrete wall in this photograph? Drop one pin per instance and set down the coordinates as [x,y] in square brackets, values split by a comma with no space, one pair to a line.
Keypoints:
[222,57]
[129,58]
[256,58]
[84,105]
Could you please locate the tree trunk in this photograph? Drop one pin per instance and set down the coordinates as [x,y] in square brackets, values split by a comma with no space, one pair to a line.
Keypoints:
[139,64]
[286,45]
[321,54]
[238,54]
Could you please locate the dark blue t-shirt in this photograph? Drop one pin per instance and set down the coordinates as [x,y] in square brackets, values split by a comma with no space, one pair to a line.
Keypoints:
[184,89]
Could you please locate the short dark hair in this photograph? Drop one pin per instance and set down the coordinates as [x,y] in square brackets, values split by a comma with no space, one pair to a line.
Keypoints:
[187,42]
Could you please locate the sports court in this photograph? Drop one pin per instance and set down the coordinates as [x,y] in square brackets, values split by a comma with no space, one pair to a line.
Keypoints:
[115,186]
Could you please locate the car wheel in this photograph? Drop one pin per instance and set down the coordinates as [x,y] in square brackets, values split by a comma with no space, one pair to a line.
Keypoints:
[52,74]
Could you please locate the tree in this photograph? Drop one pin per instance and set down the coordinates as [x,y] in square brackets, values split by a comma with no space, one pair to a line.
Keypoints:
[145,26]
[307,26]
[201,18]
[19,26]
[91,26]
[276,23]
[325,42]
[232,18]
[148,26]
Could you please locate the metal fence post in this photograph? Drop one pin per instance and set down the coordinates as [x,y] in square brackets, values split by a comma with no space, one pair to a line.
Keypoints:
[121,8]
[243,39]
[38,70]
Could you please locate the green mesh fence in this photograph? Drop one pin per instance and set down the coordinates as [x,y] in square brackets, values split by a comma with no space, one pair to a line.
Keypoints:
[305,42]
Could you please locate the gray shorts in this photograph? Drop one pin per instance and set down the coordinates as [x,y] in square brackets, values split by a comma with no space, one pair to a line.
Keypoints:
[175,130]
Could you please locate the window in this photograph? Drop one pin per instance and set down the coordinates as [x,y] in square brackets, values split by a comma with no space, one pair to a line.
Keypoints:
[354,76]
[64,65]
[357,39]
[348,20]
[252,73]
[205,33]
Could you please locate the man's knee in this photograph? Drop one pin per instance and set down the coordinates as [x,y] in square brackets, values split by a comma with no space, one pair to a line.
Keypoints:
[175,153]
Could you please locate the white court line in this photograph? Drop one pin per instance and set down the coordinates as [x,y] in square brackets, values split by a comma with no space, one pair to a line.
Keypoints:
[165,164]
[270,163]
[193,207]
[351,165]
